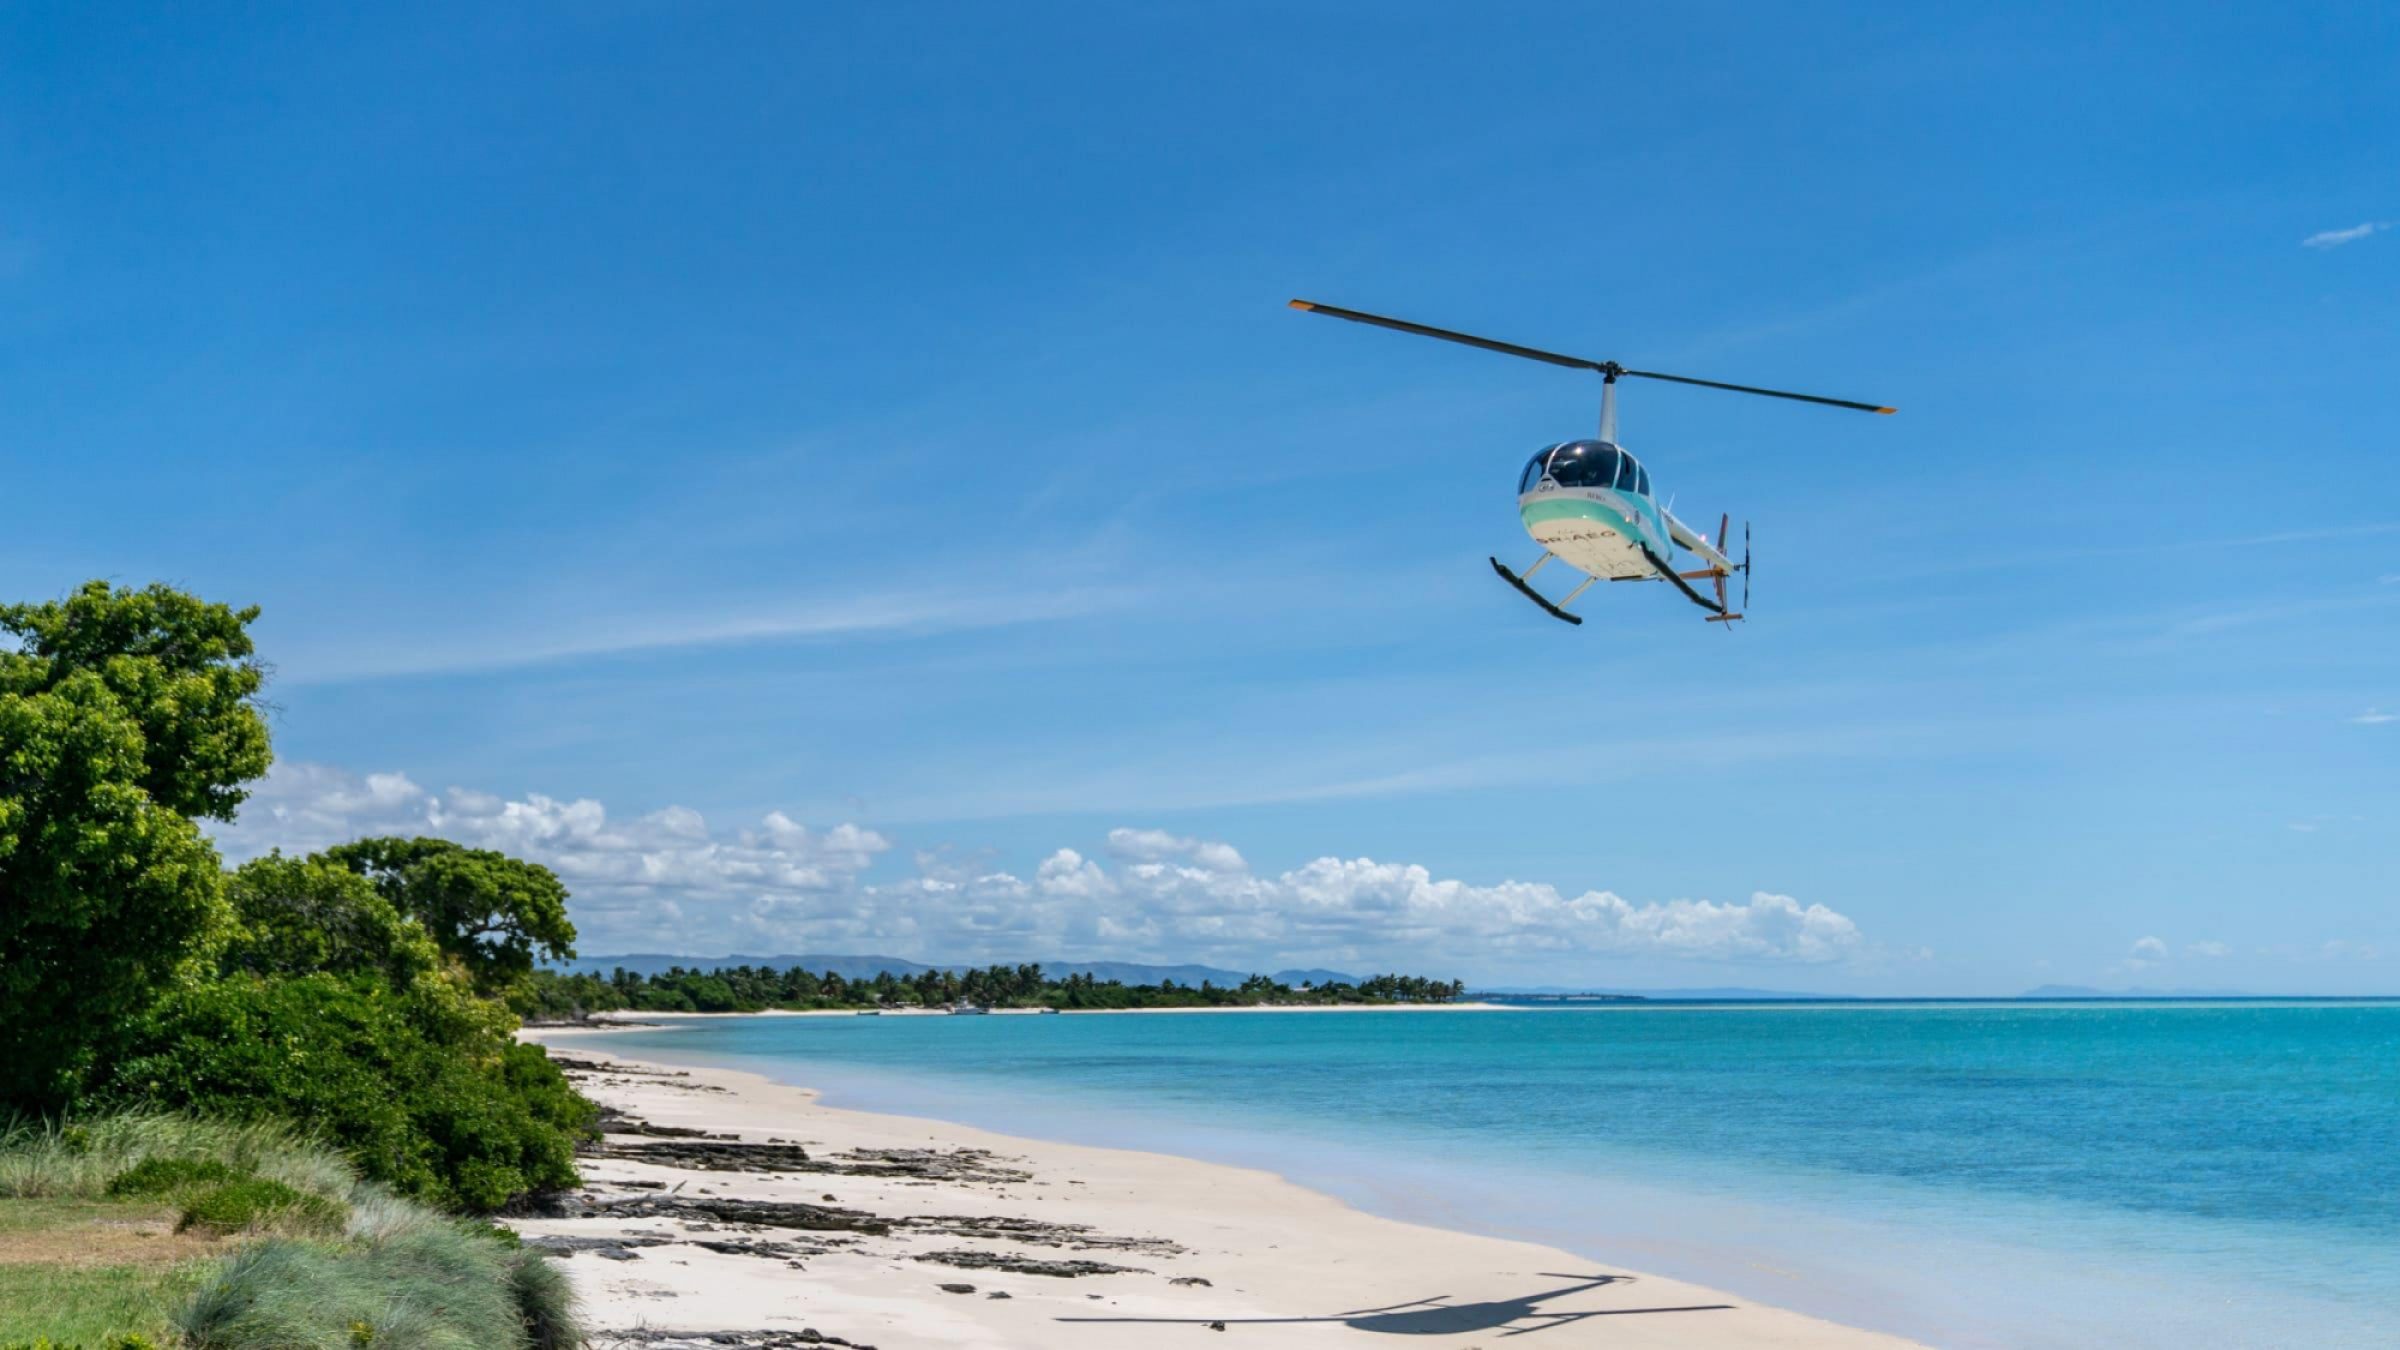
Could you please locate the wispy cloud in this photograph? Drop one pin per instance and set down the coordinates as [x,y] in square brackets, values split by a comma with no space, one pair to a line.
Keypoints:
[1329,773]
[2054,557]
[2374,717]
[2272,612]
[622,635]
[2337,238]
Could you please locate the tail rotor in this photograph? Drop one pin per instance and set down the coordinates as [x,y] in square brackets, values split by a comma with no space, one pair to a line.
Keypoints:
[1745,566]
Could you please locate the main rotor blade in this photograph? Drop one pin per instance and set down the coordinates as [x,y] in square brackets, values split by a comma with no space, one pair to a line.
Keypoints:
[1609,368]
[1770,393]
[1447,335]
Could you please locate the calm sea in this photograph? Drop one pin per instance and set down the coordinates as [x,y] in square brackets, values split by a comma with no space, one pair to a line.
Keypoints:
[1992,1174]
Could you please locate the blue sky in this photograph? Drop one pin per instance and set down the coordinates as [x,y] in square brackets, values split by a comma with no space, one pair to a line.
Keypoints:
[843,478]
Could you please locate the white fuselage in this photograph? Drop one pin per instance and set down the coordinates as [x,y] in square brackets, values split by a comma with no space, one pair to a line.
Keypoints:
[1597,531]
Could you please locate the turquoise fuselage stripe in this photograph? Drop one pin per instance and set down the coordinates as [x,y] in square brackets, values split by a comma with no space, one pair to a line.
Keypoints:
[1647,526]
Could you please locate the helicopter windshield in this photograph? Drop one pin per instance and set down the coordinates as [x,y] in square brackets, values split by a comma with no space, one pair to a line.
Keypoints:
[1585,464]
[1533,471]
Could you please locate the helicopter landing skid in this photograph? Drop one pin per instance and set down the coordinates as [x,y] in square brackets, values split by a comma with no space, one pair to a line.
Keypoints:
[1531,594]
[1716,613]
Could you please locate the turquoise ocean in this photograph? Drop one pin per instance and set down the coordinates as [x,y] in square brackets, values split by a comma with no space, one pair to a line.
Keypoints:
[2004,1174]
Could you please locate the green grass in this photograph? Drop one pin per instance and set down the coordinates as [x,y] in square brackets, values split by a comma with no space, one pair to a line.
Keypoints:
[25,1218]
[80,1271]
[87,1305]
[323,1261]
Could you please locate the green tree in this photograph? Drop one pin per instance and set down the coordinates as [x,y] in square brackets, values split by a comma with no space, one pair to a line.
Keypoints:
[302,916]
[493,912]
[123,715]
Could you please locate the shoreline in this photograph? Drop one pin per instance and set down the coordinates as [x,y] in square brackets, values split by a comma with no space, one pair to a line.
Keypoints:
[722,1201]
[616,1018]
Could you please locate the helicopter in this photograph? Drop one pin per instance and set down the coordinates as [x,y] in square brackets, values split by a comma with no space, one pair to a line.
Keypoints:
[1589,504]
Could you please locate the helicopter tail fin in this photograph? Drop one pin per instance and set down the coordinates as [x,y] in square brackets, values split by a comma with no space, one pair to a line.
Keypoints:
[1718,568]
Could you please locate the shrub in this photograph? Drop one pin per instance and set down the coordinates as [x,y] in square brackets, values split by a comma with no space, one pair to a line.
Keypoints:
[484,1119]
[256,1204]
[161,1175]
[126,1342]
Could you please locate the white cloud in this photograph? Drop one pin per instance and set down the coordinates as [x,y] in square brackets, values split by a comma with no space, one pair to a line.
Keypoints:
[634,876]
[2211,950]
[669,881]
[2349,949]
[2374,717]
[1158,845]
[2337,238]
[2148,950]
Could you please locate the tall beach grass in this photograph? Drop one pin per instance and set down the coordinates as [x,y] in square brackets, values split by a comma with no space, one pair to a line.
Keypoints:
[79,1157]
[330,1262]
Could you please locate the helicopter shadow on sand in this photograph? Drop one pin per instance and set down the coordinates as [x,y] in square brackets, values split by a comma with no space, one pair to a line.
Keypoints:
[1436,1316]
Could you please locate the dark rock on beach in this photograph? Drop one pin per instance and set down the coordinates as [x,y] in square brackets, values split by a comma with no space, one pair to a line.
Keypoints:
[707,1153]
[1025,1265]
[657,1339]
[1034,1232]
[735,1209]
[612,1248]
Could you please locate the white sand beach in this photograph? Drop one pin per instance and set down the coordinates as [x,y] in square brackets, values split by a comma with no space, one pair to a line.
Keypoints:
[896,1232]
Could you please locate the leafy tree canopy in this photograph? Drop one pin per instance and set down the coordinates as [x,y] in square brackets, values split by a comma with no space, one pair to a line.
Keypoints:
[181,669]
[122,715]
[301,916]
[491,911]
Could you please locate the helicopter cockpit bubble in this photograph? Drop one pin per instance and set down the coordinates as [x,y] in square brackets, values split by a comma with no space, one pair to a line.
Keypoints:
[1585,464]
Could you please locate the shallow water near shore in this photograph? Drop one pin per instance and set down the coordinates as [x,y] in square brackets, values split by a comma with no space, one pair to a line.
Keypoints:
[1996,1174]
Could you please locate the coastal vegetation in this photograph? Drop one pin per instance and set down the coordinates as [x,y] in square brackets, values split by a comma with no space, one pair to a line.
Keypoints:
[141,1230]
[552,996]
[291,1076]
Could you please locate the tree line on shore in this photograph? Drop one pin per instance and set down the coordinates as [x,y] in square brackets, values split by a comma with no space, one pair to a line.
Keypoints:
[549,995]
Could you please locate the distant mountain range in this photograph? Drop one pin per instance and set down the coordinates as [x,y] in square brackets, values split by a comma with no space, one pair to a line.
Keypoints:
[868,967]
